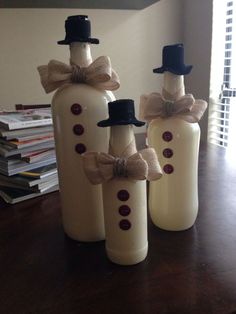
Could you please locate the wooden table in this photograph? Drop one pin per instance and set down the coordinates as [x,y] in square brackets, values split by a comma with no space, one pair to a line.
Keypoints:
[41,271]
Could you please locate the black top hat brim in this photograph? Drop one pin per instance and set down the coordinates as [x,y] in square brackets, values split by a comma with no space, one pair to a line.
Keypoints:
[109,122]
[183,71]
[82,40]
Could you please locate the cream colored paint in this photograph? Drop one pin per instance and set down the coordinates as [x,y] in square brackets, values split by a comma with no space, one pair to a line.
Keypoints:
[133,40]
[125,247]
[173,200]
[82,205]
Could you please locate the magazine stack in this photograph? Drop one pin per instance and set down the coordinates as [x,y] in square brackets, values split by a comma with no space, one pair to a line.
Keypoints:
[27,154]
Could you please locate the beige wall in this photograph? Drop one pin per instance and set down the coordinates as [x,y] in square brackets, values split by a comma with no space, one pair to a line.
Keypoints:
[133,40]
[197,37]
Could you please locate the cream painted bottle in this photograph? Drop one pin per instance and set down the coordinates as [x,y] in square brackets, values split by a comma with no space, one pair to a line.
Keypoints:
[125,207]
[125,202]
[124,185]
[76,109]
[173,201]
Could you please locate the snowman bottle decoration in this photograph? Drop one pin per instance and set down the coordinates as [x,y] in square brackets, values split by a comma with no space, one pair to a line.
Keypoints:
[173,131]
[123,172]
[83,91]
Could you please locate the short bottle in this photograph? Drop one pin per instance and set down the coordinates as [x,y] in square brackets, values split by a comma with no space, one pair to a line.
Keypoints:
[174,133]
[79,102]
[124,172]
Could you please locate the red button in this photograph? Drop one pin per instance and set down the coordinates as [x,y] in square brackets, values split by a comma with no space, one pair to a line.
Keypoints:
[125,224]
[78,129]
[168,169]
[124,210]
[167,152]
[80,148]
[76,109]
[167,136]
[123,195]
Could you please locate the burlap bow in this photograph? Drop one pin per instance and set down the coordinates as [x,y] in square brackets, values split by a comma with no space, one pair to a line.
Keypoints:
[186,107]
[98,74]
[102,167]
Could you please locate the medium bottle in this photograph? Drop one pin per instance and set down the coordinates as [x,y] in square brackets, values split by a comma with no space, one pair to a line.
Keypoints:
[76,109]
[173,201]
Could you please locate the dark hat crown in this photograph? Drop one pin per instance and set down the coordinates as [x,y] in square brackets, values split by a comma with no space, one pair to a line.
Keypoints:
[173,55]
[173,60]
[121,112]
[78,29]
[122,109]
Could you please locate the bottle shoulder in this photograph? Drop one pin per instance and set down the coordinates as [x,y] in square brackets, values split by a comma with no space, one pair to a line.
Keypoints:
[81,93]
[172,123]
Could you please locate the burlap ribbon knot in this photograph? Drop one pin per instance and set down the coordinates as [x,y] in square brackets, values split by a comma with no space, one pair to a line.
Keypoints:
[102,167]
[186,107]
[98,74]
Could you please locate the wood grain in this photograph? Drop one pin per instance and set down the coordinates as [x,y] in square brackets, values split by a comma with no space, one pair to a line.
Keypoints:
[193,271]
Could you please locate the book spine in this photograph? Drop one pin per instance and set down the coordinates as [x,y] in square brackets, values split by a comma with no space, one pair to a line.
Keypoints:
[25,107]
[29,124]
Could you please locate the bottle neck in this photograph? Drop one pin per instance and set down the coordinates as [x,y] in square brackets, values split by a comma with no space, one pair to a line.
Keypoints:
[120,138]
[174,84]
[80,54]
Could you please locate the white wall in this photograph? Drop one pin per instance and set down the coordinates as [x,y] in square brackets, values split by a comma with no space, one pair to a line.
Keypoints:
[133,40]
[197,38]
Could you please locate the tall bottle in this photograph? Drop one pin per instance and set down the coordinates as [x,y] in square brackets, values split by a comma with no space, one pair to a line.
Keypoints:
[124,187]
[175,135]
[76,108]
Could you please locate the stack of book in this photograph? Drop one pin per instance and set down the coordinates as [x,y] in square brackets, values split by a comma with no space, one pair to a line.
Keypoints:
[27,154]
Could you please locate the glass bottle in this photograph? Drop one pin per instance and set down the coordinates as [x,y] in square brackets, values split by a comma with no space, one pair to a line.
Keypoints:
[125,201]
[173,200]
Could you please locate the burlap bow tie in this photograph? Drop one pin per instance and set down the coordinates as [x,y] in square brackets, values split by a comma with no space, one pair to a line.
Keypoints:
[186,107]
[98,74]
[102,167]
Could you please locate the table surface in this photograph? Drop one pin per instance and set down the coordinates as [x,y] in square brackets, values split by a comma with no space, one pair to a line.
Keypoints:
[42,271]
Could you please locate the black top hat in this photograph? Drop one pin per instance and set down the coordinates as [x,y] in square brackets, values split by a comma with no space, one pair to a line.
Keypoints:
[173,60]
[121,112]
[78,29]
